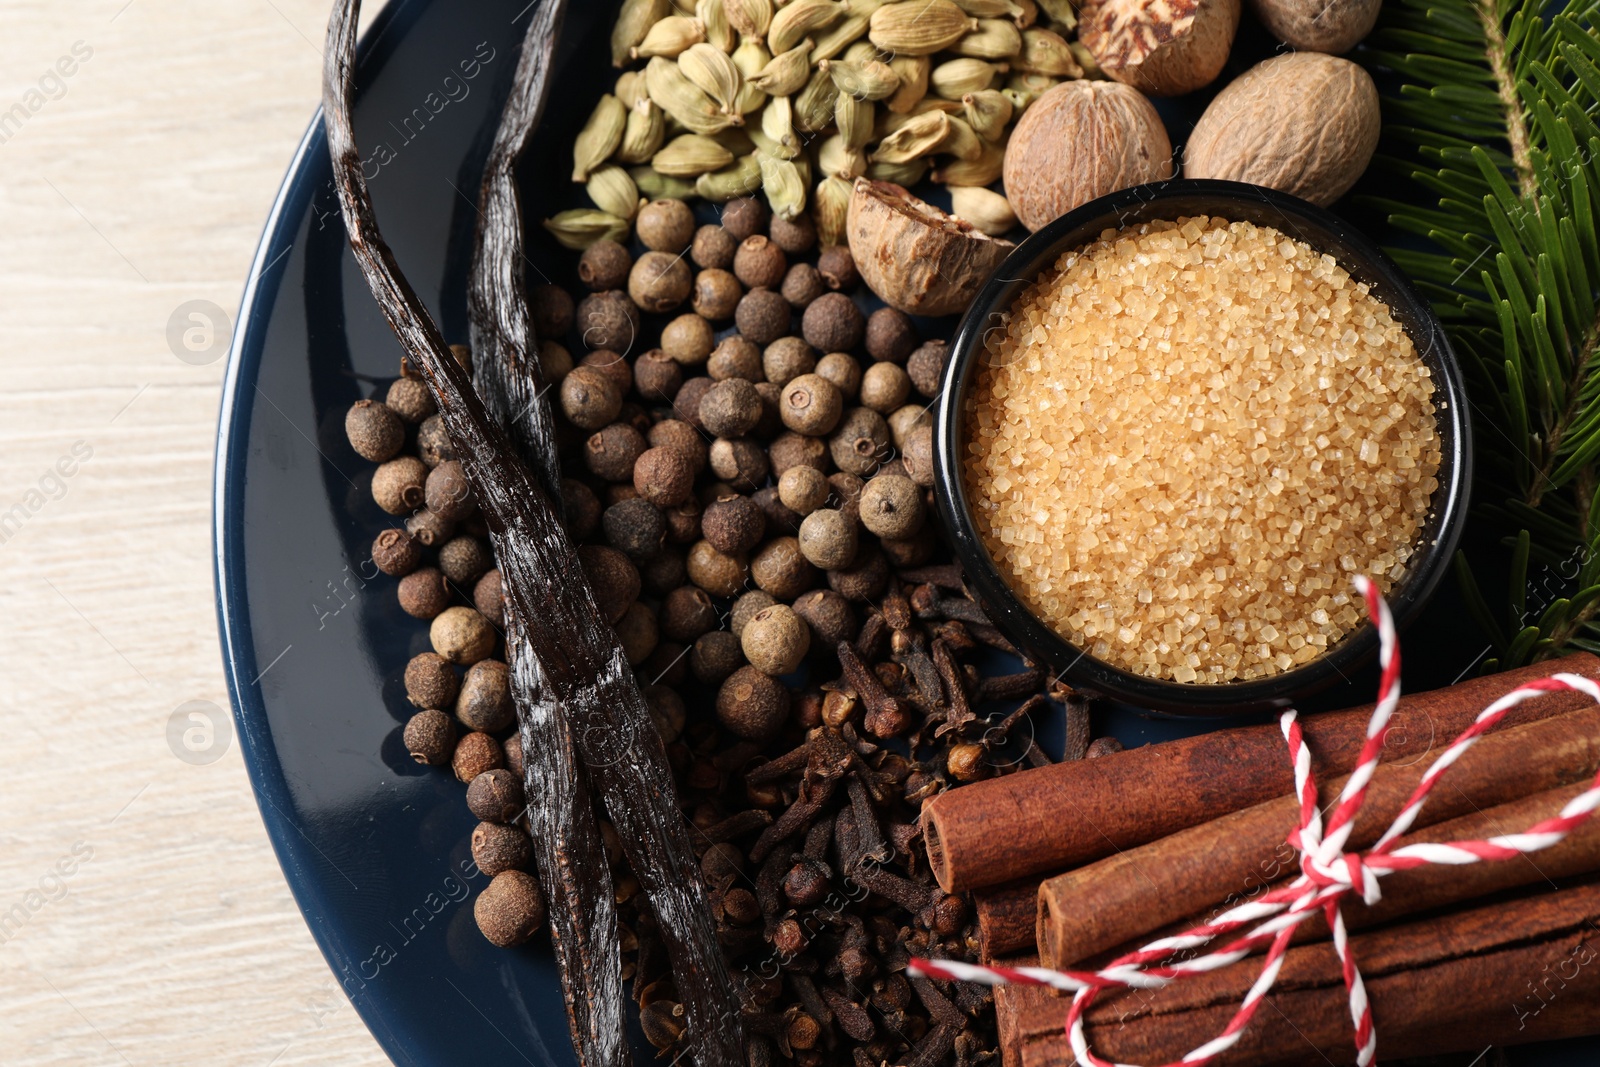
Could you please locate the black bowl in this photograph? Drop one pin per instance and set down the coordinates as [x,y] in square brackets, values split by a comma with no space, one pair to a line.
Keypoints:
[1236,202]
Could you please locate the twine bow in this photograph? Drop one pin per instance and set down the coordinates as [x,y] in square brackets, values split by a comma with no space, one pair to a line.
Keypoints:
[1327,873]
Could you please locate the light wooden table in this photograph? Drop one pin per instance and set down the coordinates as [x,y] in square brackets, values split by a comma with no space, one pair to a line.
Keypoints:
[143,918]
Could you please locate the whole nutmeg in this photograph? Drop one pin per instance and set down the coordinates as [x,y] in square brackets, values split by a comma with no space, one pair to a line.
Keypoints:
[891,507]
[803,489]
[762,316]
[1081,140]
[735,357]
[925,367]
[884,387]
[665,226]
[611,452]
[613,578]
[801,285]
[447,491]
[396,553]
[740,462]
[409,399]
[664,476]
[1302,123]
[433,442]
[485,700]
[375,432]
[833,323]
[475,753]
[639,632]
[844,371]
[860,443]
[431,682]
[745,608]
[718,573]
[810,404]
[714,656]
[496,796]
[604,265]
[659,282]
[551,308]
[733,524]
[914,256]
[424,593]
[462,635]
[681,438]
[688,339]
[590,398]
[713,247]
[776,640]
[760,263]
[838,268]
[397,485]
[497,848]
[785,359]
[488,596]
[686,613]
[782,569]
[752,705]
[635,527]
[828,615]
[608,320]
[1160,47]
[716,294]
[828,539]
[464,559]
[891,335]
[730,408]
[430,738]
[657,376]
[510,911]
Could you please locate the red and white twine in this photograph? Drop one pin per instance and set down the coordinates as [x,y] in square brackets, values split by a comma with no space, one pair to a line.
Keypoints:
[1328,873]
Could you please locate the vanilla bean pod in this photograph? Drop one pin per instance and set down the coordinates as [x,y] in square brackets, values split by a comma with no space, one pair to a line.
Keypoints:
[581,655]
[568,850]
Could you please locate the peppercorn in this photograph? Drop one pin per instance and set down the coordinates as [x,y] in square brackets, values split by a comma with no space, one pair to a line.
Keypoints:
[682,438]
[744,217]
[811,405]
[424,593]
[1103,746]
[884,387]
[657,375]
[863,580]
[555,362]
[688,339]
[497,848]
[782,569]
[718,573]
[489,597]
[666,711]
[667,665]
[752,705]
[860,443]
[397,485]
[664,476]
[396,553]
[663,572]
[829,617]
[510,911]
[740,462]
[665,226]
[733,524]
[464,559]
[613,578]
[609,319]
[638,632]
[461,635]
[762,316]
[795,236]
[375,432]
[891,507]
[776,640]
[713,247]
[590,398]
[581,508]
[832,323]
[431,682]
[485,700]
[838,268]
[786,359]
[683,522]
[475,753]
[604,265]
[778,516]
[410,400]
[828,539]
[714,656]
[686,405]
[496,796]
[659,282]
[430,737]
[635,527]
[433,442]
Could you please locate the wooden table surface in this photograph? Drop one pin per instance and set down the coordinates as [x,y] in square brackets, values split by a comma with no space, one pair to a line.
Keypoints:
[143,917]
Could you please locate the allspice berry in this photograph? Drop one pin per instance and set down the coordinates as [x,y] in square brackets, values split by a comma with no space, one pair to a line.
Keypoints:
[891,507]
[716,294]
[485,699]
[795,236]
[686,613]
[551,308]
[906,420]
[730,408]
[424,593]
[778,516]
[884,387]
[664,572]
[663,476]
[918,456]
[496,796]
[611,452]
[396,553]
[683,522]
[785,359]
[635,528]
[776,640]
[433,442]
[860,443]
[926,367]
[463,559]
[745,608]
[397,485]
[740,462]
[604,265]
[667,712]
[461,635]
[914,551]
[610,364]
[810,405]
[510,911]
[375,432]
[828,615]
[688,339]
[686,405]
[659,282]
[735,357]
[497,848]
[846,495]
[803,489]
[762,316]
[657,376]
[716,572]
[714,656]
[752,705]
[639,632]
[760,263]
[410,400]
[782,569]
[590,398]
[828,539]
[431,681]
[475,753]
[665,226]
[790,449]
[581,508]
[833,323]
[801,285]
[744,217]
[713,247]
[891,335]
[447,492]
[733,524]
[844,371]
[865,579]
[609,320]
[430,528]
[612,577]
[488,596]
[512,746]
[838,268]
[430,738]
[682,438]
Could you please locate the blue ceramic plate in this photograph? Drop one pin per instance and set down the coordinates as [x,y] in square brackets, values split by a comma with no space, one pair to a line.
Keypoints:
[375,847]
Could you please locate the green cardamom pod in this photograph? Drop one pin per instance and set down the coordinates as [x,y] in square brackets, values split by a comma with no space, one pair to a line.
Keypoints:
[848,31]
[657,186]
[633,22]
[777,128]
[916,137]
[719,32]
[836,159]
[599,137]
[796,19]
[913,72]
[689,156]
[786,73]
[813,105]
[1027,14]
[1038,84]
[1086,60]
[858,52]
[961,140]
[955,78]
[1020,99]
[1044,52]
[735,139]
[907,174]
[714,73]
[613,191]
[888,121]
[864,81]
[644,134]
[682,99]
[1061,12]
[581,227]
[993,39]
[783,182]
[740,179]
[985,170]
[750,17]
[670,36]
[854,119]
[987,210]
[630,88]
[990,9]
[919,27]
[751,57]
[830,210]
[987,112]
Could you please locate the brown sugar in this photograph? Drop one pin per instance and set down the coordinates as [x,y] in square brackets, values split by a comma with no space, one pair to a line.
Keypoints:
[1187,437]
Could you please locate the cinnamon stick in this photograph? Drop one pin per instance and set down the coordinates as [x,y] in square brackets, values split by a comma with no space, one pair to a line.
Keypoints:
[1506,973]
[1232,858]
[1008,919]
[1051,818]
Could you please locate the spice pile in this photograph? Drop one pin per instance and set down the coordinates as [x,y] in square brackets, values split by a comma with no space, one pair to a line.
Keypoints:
[1188,436]
[747,508]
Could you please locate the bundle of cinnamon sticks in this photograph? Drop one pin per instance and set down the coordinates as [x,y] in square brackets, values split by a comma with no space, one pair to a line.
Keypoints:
[1076,863]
